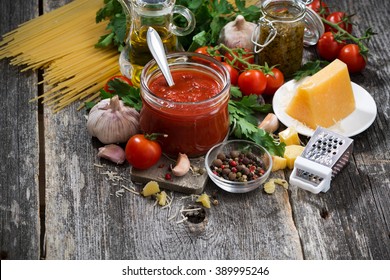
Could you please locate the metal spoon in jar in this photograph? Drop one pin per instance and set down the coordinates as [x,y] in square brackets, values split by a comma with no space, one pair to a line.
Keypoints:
[157,49]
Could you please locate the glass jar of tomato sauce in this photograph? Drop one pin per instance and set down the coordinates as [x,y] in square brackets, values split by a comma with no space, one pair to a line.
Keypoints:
[194,112]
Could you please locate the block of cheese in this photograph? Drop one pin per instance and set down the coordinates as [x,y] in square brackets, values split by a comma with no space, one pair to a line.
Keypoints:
[324,98]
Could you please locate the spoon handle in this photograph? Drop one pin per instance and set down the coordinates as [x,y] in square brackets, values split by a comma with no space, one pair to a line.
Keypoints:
[157,49]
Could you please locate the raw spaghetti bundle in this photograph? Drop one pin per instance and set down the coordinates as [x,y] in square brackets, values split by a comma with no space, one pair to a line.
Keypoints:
[62,42]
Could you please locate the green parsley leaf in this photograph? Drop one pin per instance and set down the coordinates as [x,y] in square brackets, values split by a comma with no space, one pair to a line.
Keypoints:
[244,123]
[130,95]
[113,12]
[309,69]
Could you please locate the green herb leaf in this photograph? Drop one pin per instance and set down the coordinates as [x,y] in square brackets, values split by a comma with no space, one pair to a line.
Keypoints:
[113,12]
[310,68]
[244,123]
[130,95]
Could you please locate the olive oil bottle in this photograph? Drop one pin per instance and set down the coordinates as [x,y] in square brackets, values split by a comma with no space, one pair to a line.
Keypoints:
[142,14]
[139,53]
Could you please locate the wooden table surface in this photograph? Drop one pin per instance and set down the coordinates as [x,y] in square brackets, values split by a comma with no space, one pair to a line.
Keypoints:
[56,204]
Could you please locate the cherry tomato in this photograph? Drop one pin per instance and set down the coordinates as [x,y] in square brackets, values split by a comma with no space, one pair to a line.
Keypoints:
[120,77]
[207,50]
[242,53]
[340,18]
[252,82]
[274,82]
[350,55]
[142,152]
[320,7]
[233,72]
[327,47]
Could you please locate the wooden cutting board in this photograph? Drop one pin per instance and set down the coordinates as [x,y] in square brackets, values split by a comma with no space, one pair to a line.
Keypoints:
[191,183]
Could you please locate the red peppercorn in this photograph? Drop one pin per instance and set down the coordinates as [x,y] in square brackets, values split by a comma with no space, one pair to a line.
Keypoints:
[233,163]
[168,176]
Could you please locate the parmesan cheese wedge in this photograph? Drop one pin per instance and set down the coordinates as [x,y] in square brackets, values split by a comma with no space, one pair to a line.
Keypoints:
[324,98]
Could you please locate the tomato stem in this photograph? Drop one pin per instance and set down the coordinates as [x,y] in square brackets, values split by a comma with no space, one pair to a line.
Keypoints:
[154,136]
[237,58]
[346,35]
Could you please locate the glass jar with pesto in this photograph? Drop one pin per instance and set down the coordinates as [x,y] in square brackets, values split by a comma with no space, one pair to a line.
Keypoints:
[282,32]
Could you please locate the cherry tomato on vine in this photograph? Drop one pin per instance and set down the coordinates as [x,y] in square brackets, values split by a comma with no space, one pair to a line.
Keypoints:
[233,72]
[274,82]
[350,55]
[320,7]
[327,47]
[341,19]
[242,53]
[207,50]
[142,151]
[120,77]
[252,81]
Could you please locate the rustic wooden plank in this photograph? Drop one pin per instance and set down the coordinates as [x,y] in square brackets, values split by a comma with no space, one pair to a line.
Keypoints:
[19,141]
[191,183]
[351,220]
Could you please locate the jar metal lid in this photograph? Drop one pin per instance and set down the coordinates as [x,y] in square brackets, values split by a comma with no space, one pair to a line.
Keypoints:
[314,28]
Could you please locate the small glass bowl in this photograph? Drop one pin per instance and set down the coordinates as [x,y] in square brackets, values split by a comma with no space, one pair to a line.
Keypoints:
[239,145]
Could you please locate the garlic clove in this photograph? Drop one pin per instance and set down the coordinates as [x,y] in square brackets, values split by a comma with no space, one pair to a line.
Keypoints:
[113,153]
[270,123]
[182,165]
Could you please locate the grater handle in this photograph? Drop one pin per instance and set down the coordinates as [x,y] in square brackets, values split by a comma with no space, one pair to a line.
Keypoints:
[315,169]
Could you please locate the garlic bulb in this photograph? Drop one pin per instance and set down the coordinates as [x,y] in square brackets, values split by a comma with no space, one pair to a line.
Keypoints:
[237,33]
[112,122]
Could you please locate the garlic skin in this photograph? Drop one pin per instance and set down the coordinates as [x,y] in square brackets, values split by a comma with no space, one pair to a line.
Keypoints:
[182,165]
[113,153]
[112,122]
[237,34]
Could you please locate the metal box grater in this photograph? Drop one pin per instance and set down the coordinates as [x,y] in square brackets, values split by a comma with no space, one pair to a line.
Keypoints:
[324,156]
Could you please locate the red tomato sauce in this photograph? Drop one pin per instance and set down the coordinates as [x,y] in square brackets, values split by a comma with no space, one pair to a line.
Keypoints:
[190,86]
[192,128]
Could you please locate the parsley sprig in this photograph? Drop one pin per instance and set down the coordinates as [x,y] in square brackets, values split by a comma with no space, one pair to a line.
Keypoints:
[244,122]
[128,94]
[117,26]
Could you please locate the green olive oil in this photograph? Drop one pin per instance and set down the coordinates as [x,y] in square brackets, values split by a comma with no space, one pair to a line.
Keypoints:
[139,53]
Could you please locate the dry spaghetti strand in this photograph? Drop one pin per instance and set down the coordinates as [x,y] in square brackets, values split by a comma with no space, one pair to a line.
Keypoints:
[62,42]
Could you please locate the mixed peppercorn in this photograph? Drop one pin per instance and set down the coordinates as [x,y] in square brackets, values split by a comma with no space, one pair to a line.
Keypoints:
[238,166]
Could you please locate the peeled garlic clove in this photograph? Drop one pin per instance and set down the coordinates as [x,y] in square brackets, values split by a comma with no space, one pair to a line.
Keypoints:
[112,122]
[237,33]
[113,153]
[270,123]
[182,165]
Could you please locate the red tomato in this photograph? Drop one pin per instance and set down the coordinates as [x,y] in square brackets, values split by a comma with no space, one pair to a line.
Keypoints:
[327,47]
[120,77]
[341,19]
[252,82]
[207,50]
[274,82]
[241,53]
[320,7]
[142,152]
[350,55]
[232,72]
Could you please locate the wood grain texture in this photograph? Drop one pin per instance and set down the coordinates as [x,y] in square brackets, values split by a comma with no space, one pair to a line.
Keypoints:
[89,216]
[19,192]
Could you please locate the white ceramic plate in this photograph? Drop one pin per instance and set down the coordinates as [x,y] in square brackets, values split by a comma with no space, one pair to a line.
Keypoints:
[358,121]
